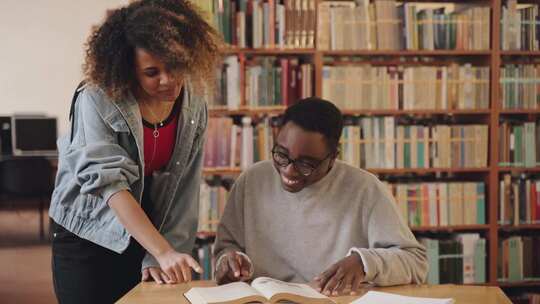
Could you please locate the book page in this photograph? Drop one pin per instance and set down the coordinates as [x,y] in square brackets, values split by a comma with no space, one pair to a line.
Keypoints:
[270,287]
[376,297]
[225,293]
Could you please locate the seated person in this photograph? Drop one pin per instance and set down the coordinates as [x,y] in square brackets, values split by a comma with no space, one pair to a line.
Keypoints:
[306,217]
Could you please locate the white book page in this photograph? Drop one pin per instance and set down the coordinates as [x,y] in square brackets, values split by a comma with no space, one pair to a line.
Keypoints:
[223,293]
[269,287]
[376,297]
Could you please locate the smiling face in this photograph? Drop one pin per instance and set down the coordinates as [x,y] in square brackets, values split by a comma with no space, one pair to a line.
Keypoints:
[307,149]
[156,83]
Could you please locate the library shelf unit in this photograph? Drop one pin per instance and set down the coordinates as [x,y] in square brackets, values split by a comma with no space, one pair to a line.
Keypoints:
[494,58]
[518,284]
[518,170]
[400,53]
[451,229]
[511,228]
[242,111]
[221,171]
[398,172]
[520,53]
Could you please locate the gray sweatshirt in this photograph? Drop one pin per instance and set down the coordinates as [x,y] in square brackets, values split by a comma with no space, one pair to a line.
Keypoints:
[295,236]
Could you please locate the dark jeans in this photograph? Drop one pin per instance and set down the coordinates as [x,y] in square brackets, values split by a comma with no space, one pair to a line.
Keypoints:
[84,272]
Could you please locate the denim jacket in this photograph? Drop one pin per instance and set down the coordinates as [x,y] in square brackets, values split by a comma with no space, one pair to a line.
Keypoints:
[106,156]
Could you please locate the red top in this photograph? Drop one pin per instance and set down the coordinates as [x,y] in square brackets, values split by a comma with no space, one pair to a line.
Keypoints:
[159,141]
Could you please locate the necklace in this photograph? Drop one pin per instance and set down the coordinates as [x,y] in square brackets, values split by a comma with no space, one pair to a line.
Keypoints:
[155,133]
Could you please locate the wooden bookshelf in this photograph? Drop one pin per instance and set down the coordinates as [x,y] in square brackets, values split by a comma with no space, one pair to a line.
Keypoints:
[222,171]
[450,229]
[513,228]
[521,53]
[494,58]
[520,112]
[525,283]
[422,171]
[269,51]
[415,112]
[274,110]
[400,53]
[518,169]
[417,171]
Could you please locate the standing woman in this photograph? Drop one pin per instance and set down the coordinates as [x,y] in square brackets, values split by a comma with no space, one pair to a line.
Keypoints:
[125,203]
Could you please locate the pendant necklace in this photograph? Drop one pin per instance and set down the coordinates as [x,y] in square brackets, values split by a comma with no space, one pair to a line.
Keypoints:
[155,133]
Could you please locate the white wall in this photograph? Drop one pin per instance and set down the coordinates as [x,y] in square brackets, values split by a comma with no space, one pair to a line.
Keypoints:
[41,53]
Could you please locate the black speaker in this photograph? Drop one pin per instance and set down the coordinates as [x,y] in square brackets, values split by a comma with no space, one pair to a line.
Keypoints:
[5,136]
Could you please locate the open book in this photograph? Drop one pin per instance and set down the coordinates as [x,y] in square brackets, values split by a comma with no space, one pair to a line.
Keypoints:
[261,290]
[376,297]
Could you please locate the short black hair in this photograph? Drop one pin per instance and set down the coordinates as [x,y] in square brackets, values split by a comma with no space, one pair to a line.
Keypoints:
[317,115]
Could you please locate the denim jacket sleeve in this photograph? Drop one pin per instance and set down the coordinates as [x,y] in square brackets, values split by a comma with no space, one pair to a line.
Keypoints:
[179,226]
[100,165]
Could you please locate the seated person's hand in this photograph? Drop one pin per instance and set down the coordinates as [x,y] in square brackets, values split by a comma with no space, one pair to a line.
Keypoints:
[174,268]
[345,275]
[233,267]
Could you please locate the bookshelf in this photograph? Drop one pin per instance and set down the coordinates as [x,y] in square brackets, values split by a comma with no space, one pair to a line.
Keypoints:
[495,58]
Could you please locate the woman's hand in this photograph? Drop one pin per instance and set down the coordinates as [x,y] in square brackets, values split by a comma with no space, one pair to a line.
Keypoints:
[174,268]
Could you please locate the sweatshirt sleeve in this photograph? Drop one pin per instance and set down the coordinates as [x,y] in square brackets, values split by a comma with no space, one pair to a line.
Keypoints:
[394,255]
[231,230]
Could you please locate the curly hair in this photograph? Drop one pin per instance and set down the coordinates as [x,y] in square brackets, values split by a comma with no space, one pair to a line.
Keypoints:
[172,30]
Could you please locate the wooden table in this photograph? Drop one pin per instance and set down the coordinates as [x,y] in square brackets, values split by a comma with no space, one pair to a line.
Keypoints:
[150,292]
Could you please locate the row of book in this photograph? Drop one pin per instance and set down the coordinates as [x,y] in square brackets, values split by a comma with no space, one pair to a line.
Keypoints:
[385,25]
[368,87]
[263,23]
[520,26]
[428,204]
[211,205]
[268,81]
[520,86]
[519,144]
[460,260]
[379,142]
[367,142]
[519,200]
[280,81]
[203,254]
[518,259]
[238,145]
[441,204]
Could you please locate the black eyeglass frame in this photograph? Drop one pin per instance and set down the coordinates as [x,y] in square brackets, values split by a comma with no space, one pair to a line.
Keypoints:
[295,162]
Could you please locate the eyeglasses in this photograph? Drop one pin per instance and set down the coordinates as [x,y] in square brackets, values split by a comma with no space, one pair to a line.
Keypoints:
[304,168]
